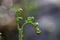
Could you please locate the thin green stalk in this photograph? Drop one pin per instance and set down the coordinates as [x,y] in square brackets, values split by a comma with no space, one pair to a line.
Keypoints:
[0,36]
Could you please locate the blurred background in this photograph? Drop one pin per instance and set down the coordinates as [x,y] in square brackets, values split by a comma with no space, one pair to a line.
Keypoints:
[46,13]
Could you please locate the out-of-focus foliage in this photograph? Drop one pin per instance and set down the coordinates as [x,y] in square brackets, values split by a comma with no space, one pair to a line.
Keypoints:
[16,6]
[29,5]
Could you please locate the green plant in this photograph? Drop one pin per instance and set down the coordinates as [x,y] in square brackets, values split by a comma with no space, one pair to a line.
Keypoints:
[0,36]
[29,20]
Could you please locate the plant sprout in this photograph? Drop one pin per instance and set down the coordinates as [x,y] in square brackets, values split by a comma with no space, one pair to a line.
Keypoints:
[29,20]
